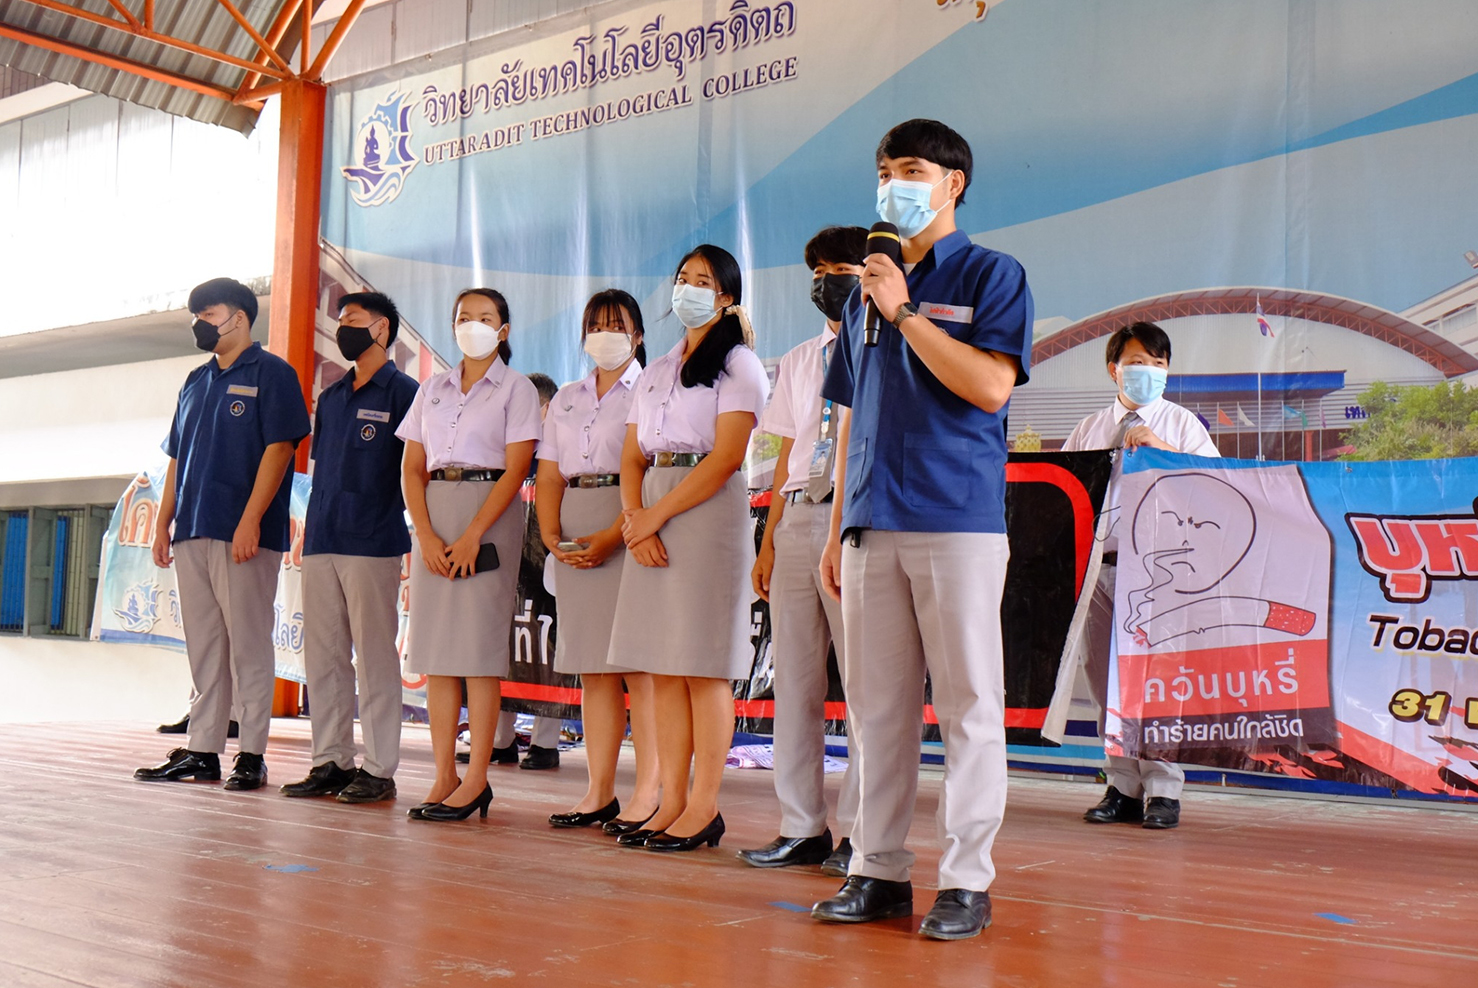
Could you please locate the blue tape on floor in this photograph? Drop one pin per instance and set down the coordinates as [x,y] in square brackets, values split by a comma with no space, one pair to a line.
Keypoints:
[791,907]
[1336,918]
[292,869]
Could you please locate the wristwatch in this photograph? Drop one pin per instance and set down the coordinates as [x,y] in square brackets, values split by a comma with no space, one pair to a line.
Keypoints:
[905,310]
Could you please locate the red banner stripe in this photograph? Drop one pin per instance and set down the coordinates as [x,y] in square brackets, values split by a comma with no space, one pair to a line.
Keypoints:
[758,709]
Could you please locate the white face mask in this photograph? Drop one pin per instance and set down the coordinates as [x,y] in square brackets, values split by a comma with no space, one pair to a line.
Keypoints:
[476,339]
[609,350]
[692,305]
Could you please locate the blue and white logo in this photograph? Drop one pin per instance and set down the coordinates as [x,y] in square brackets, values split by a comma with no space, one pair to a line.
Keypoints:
[382,148]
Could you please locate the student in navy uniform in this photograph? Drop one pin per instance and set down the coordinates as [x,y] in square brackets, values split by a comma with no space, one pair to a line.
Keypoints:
[240,416]
[354,540]
[918,549]
[805,621]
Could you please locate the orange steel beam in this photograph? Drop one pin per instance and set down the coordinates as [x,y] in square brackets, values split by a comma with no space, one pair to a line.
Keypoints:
[307,39]
[294,303]
[149,14]
[132,20]
[246,26]
[335,38]
[151,35]
[114,62]
[274,38]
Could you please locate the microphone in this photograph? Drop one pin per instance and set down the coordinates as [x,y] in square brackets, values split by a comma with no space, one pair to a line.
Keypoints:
[881,239]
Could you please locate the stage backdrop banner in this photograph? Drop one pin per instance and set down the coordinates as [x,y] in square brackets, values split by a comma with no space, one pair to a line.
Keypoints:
[1316,620]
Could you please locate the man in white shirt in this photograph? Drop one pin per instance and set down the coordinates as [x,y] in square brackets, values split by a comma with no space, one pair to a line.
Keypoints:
[1140,791]
[803,618]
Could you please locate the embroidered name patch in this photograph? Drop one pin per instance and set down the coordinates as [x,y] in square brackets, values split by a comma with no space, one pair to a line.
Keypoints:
[374,416]
[250,390]
[949,313]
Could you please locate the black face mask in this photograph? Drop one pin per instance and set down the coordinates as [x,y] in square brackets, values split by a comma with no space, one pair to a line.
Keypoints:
[353,341]
[206,335]
[831,291]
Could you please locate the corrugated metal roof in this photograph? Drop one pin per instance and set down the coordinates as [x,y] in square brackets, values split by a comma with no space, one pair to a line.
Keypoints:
[200,22]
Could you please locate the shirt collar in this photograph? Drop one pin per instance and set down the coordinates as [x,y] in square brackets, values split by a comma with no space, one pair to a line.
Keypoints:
[824,340]
[250,355]
[1143,411]
[949,244]
[494,374]
[627,379]
[677,351]
[381,377]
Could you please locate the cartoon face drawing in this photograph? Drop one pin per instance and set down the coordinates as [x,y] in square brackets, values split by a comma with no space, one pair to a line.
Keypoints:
[1197,528]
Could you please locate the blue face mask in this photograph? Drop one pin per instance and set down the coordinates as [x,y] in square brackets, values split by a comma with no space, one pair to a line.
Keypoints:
[906,205]
[1141,383]
[692,305]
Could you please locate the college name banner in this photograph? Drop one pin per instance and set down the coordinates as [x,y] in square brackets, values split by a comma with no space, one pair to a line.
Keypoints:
[1314,620]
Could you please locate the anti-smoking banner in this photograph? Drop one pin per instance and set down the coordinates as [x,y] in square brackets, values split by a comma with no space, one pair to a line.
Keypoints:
[1315,620]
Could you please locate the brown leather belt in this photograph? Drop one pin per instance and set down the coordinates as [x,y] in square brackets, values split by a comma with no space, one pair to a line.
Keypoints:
[803,496]
[585,481]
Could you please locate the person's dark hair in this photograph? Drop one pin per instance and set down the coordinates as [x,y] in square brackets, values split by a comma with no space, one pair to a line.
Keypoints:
[1154,340]
[378,305]
[545,385]
[604,303]
[931,141]
[223,291]
[837,245]
[705,363]
[496,297]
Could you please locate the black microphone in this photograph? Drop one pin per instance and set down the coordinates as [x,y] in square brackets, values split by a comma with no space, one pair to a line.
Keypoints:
[881,239]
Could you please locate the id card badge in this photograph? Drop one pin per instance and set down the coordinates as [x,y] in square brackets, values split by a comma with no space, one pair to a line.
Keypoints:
[823,458]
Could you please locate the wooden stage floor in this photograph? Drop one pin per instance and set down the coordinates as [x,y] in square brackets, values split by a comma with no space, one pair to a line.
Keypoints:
[106,881]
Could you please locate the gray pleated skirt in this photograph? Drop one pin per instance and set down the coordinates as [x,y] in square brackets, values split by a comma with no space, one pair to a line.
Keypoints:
[691,617]
[463,627]
[586,598]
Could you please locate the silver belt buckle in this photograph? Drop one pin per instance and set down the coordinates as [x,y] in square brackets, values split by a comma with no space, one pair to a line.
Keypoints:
[588,481]
[453,474]
[665,458]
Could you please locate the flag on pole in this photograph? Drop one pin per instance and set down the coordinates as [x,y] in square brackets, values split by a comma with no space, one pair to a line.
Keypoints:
[1222,418]
[1293,413]
[1263,326]
[1242,417]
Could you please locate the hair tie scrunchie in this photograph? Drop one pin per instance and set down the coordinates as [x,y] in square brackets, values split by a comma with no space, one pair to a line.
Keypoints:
[746,330]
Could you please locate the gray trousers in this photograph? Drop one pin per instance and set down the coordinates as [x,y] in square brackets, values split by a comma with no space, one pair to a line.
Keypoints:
[226,609]
[917,602]
[545,733]
[804,621]
[1131,776]
[350,619]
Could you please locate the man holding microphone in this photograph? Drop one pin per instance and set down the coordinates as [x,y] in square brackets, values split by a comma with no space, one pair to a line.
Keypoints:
[920,535]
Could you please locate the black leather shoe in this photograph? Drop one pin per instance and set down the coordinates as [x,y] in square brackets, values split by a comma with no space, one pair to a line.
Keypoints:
[958,914]
[415,811]
[785,851]
[539,759]
[863,900]
[636,838]
[184,764]
[249,772]
[505,756]
[366,788]
[620,828]
[181,726]
[709,835]
[322,780]
[840,860]
[442,813]
[1161,813]
[1115,807]
[577,819]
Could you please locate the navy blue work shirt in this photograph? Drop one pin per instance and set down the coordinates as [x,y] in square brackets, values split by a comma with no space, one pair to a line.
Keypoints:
[356,508]
[920,457]
[223,423]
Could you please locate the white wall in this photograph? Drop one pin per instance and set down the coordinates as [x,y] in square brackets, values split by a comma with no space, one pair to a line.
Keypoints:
[93,422]
[64,679]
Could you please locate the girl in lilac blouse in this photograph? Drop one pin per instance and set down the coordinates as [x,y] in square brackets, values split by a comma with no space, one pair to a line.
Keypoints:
[684,609]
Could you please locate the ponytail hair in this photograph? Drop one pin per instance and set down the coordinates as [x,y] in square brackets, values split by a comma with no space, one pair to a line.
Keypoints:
[707,361]
[607,303]
[496,297]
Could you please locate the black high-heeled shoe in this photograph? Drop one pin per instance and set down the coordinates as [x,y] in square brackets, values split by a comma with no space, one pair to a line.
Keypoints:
[441,812]
[637,838]
[708,835]
[577,819]
[619,827]
[415,811]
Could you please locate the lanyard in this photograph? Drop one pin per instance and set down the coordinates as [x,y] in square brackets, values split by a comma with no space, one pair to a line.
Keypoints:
[826,406]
